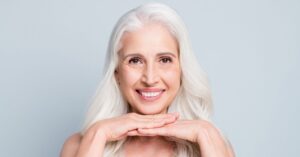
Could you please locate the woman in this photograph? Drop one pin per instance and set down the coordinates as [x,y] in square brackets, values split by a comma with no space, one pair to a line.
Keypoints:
[154,99]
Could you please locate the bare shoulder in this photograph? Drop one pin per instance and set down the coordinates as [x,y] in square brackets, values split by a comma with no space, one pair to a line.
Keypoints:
[71,146]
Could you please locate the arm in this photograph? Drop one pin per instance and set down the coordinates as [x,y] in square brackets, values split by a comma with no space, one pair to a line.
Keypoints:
[71,146]
[210,140]
[212,143]
[92,143]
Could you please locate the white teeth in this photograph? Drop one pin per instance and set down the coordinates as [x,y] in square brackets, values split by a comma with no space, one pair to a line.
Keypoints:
[150,94]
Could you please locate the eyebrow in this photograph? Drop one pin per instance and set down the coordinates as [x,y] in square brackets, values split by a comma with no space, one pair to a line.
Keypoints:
[159,54]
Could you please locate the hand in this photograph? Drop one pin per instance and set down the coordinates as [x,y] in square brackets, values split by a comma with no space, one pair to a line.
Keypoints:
[93,142]
[119,127]
[208,137]
[183,129]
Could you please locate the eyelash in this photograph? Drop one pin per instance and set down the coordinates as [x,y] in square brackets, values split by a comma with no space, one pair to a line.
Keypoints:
[166,60]
[134,60]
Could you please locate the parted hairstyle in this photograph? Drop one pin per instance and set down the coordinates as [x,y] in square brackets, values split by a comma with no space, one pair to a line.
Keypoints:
[193,100]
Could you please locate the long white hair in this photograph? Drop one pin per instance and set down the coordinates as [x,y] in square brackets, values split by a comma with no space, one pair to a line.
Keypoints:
[193,100]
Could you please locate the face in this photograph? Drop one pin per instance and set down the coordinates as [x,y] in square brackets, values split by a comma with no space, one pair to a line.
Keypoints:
[149,71]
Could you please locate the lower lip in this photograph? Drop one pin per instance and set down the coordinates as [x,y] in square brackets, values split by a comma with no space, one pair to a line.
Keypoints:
[150,99]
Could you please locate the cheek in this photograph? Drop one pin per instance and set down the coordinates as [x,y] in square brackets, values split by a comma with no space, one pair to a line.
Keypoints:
[172,77]
[128,77]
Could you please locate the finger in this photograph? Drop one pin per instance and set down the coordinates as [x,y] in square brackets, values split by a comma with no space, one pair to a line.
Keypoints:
[157,124]
[170,120]
[133,121]
[132,133]
[162,131]
[136,133]
[151,123]
[167,118]
[154,124]
[157,117]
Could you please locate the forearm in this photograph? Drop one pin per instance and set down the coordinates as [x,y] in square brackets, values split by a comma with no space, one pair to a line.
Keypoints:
[213,144]
[92,145]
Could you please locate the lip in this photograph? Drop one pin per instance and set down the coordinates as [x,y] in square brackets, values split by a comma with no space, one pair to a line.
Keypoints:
[150,94]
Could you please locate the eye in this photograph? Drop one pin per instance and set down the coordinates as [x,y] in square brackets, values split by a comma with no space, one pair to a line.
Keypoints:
[135,60]
[166,60]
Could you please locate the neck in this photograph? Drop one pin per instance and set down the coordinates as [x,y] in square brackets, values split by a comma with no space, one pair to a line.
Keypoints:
[148,139]
[149,146]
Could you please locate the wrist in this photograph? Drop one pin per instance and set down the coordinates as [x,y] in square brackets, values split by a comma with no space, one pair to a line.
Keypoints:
[96,134]
[100,135]
[92,144]
[203,132]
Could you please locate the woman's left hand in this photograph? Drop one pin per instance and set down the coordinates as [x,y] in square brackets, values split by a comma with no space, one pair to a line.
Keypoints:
[208,137]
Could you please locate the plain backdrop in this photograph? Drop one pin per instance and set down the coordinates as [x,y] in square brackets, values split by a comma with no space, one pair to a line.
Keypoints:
[52,54]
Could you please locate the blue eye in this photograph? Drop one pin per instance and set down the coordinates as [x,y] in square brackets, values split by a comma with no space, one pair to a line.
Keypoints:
[135,60]
[166,60]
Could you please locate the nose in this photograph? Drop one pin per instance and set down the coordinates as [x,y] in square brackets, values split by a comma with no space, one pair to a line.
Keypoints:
[150,75]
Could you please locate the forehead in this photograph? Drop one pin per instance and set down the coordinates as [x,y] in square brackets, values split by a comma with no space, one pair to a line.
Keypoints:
[149,39]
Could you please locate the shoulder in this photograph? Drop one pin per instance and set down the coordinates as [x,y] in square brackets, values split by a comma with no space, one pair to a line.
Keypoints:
[71,145]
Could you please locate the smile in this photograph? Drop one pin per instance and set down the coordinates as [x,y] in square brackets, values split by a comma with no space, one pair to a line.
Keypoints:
[150,94]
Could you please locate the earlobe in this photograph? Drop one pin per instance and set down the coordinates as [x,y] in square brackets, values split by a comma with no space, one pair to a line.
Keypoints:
[117,77]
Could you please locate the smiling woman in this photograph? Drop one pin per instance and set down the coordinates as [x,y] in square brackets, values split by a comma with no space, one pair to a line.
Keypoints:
[149,72]
[154,95]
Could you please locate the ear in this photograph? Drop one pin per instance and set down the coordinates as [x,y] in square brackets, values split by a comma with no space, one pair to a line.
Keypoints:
[117,75]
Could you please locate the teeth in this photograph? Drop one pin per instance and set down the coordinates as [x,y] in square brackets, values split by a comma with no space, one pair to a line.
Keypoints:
[150,94]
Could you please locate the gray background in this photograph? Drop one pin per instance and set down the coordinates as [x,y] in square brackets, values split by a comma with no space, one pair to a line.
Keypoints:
[52,53]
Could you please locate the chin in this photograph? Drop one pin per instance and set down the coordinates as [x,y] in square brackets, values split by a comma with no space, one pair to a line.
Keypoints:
[150,111]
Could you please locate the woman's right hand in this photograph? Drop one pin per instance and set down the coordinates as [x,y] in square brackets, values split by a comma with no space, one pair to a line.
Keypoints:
[95,138]
[126,125]
[92,143]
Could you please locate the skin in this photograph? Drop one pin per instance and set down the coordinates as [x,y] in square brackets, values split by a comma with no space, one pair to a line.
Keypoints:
[145,63]
[149,60]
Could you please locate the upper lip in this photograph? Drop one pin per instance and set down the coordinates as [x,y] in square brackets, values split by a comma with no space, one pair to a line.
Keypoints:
[150,90]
